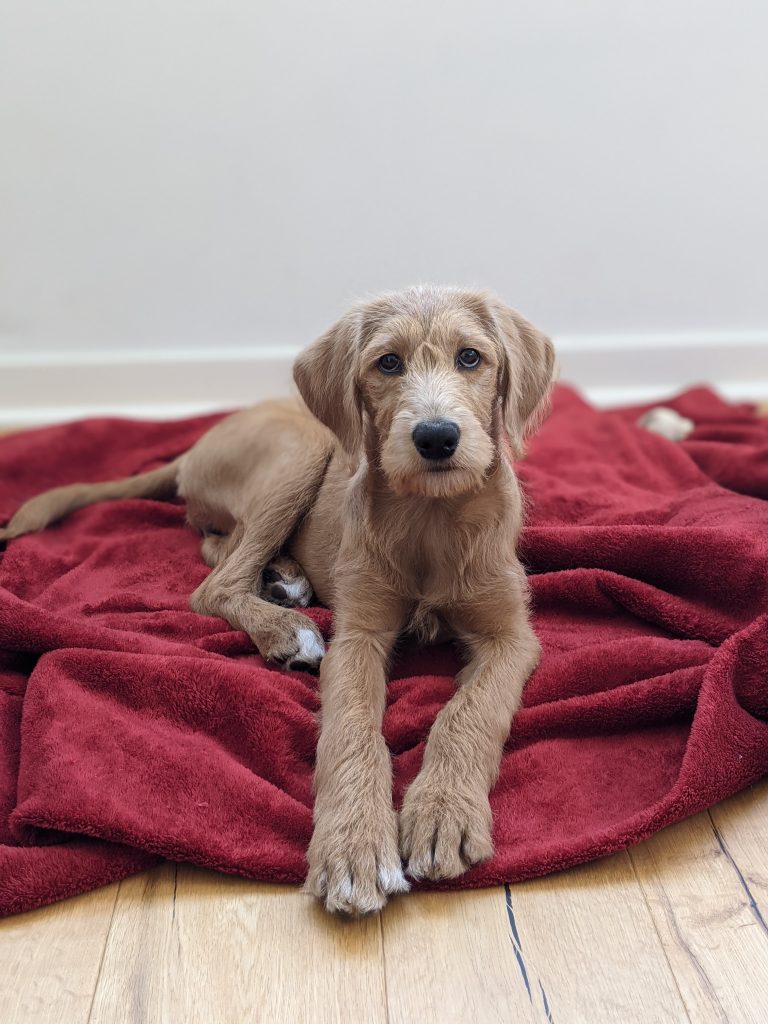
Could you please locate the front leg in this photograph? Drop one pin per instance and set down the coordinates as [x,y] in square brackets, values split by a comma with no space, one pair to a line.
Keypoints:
[354,860]
[445,821]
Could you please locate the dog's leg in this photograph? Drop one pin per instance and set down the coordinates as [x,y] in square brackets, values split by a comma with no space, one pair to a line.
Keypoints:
[281,635]
[284,582]
[354,861]
[445,821]
[285,486]
[215,548]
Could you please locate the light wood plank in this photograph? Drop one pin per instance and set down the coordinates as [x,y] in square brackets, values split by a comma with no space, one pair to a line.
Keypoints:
[715,940]
[589,934]
[742,823]
[227,950]
[138,951]
[49,959]
[450,958]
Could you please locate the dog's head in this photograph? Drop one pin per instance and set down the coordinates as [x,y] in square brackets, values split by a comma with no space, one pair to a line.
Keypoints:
[430,380]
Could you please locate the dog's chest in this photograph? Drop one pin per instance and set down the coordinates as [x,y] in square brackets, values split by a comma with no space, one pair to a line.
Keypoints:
[427,624]
[437,579]
[434,565]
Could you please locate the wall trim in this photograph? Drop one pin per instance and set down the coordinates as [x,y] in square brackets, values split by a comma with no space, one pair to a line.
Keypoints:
[612,369]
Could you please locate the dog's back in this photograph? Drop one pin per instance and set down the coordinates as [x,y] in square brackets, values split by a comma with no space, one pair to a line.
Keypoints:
[216,477]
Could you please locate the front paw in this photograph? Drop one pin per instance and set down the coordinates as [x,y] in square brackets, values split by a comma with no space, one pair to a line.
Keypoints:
[354,861]
[444,829]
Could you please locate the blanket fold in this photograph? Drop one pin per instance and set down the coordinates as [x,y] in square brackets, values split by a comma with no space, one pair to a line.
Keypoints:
[132,728]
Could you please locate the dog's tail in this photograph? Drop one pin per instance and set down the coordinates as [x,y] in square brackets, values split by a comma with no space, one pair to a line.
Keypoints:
[46,508]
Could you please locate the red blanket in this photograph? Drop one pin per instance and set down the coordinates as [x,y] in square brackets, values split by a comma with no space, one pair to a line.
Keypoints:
[131,728]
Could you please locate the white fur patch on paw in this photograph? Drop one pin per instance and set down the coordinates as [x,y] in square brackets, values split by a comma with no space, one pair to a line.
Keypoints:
[299,592]
[667,423]
[346,891]
[311,649]
[392,880]
[347,897]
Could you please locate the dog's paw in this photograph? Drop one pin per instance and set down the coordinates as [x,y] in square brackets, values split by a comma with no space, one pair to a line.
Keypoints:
[283,582]
[308,654]
[667,422]
[354,864]
[295,645]
[444,830]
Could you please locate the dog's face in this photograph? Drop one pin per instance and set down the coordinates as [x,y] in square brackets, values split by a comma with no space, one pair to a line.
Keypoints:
[430,380]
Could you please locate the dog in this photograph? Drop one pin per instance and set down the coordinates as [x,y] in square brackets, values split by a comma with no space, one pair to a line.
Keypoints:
[389,492]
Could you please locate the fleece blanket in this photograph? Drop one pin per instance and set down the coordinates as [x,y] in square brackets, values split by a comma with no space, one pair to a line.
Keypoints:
[133,729]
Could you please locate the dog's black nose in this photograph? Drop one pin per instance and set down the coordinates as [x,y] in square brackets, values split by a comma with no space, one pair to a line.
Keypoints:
[436,439]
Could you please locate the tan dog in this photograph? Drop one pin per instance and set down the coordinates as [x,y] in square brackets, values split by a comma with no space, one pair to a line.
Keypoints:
[393,493]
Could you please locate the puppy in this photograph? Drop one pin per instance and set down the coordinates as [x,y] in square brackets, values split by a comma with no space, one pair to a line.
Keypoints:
[392,492]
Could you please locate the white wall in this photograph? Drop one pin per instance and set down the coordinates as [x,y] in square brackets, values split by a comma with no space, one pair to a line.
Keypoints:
[180,175]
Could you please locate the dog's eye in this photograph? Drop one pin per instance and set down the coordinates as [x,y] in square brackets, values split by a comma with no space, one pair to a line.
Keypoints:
[390,363]
[469,358]
[270,576]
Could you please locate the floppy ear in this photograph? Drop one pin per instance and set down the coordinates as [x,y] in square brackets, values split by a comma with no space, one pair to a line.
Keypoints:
[326,376]
[527,372]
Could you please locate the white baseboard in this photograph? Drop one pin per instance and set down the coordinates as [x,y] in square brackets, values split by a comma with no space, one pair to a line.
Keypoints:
[611,370]
[164,384]
[629,369]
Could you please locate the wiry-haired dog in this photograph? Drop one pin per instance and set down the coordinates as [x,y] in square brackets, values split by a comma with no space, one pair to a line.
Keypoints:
[391,494]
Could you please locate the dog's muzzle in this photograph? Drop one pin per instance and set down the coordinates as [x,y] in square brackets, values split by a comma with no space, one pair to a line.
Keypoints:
[436,439]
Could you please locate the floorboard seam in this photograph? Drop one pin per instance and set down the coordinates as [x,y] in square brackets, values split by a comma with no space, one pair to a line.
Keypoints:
[756,912]
[384,967]
[689,952]
[103,953]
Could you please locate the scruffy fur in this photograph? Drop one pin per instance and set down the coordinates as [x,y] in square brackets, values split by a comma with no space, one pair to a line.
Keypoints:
[335,487]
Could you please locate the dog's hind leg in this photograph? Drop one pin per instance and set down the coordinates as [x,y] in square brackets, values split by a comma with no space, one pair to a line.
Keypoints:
[281,635]
[232,590]
[215,548]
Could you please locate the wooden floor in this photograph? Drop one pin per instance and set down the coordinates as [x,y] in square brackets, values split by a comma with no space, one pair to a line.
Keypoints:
[672,930]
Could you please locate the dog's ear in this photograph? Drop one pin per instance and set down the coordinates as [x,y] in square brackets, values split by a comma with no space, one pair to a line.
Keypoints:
[528,364]
[326,376]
